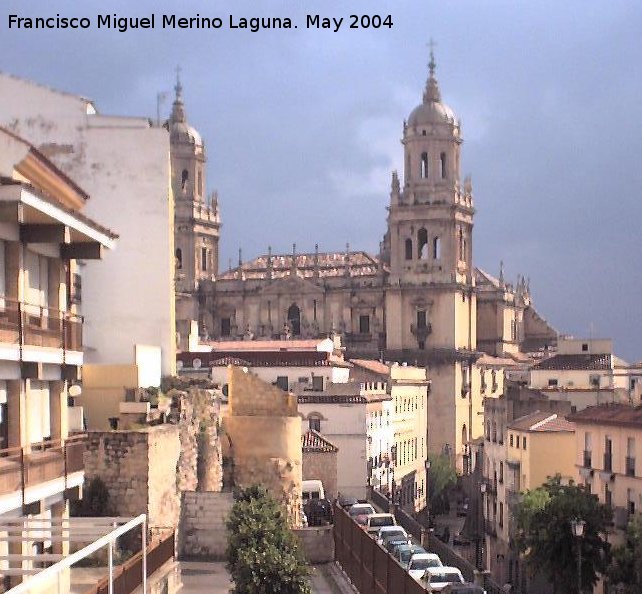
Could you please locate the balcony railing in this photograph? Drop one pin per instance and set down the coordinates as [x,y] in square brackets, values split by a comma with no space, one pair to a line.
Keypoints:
[21,468]
[587,459]
[25,324]
[630,466]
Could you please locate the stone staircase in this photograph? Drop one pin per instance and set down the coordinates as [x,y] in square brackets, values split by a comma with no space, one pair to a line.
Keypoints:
[201,532]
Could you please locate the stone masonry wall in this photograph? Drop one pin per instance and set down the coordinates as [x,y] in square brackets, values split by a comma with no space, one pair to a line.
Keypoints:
[203,534]
[139,469]
[322,466]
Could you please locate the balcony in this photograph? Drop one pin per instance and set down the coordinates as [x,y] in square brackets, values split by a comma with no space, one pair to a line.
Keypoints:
[23,324]
[587,459]
[421,331]
[22,468]
[629,466]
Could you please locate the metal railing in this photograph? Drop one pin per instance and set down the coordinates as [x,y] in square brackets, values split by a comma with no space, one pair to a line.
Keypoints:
[24,467]
[371,569]
[128,576]
[27,324]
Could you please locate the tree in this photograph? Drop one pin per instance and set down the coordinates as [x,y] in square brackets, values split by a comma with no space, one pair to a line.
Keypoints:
[625,570]
[546,540]
[263,556]
[441,477]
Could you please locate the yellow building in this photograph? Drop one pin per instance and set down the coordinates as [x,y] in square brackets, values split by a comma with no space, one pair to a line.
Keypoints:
[521,455]
[608,441]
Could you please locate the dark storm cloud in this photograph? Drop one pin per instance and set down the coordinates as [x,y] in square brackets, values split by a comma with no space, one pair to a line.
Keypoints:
[302,128]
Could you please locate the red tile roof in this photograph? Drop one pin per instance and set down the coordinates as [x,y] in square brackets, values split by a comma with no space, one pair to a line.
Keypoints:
[609,414]
[265,345]
[312,441]
[542,422]
[372,365]
[581,361]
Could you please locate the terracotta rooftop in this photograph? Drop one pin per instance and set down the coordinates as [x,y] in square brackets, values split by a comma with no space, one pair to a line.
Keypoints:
[372,365]
[496,361]
[264,345]
[542,422]
[313,441]
[587,361]
[609,414]
[329,264]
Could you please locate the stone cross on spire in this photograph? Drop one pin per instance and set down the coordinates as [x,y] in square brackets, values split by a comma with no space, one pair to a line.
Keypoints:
[431,93]
[179,87]
[178,109]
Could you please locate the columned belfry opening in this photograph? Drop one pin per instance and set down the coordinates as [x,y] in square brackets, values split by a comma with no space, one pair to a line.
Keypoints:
[294,319]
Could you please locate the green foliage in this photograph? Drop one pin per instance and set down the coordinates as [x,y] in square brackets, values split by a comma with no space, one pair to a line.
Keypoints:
[625,570]
[95,501]
[545,538]
[262,553]
[441,477]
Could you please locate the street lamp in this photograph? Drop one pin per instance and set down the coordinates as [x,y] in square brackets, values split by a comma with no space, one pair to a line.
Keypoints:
[577,527]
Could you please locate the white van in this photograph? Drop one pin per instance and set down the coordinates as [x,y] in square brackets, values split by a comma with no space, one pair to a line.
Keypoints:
[312,489]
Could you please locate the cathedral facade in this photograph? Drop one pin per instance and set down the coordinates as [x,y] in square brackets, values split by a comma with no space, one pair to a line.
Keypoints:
[416,301]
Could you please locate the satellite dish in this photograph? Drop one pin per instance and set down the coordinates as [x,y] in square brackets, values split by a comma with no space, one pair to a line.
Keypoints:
[196,363]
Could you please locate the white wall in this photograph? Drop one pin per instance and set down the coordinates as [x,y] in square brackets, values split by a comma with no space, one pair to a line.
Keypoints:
[128,298]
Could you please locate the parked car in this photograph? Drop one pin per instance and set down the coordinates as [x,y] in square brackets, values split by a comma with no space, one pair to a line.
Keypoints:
[460,540]
[435,579]
[463,589]
[389,532]
[393,542]
[346,502]
[361,509]
[419,562]
[318,512]
[376,521]
[462,507]
[403,553]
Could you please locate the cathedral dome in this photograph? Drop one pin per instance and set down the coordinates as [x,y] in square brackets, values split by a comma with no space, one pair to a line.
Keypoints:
[432,110]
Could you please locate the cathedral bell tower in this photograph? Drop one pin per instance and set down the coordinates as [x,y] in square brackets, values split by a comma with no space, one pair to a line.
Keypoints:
[430,299]
[196,217]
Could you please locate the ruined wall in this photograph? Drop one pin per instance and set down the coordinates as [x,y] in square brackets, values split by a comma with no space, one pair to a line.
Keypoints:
[264,430]
[139,469]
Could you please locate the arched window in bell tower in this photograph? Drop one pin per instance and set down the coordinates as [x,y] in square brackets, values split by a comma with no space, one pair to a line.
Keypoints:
[408,249]
[462,245]
[184,178]
[422,244]
[179,258]
[424,165]
[436,248]
[442,165]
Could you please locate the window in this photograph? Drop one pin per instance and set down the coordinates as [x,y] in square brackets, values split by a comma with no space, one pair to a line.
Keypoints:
[424,165]
[282,382]
[511,440]
[422,243]
[226,327]
[630,501]
[408,249]
[76,289]
[608,454]
[587,450]
[501,472]
[442,165]
[203,258]
[501,514]
[436,248]
[294,319]
[421,318]
[630,457]
[364,324]
[524,442]
[179,258]
[184,178]
[585,347]
[314,310]
[552,383]
[314,423]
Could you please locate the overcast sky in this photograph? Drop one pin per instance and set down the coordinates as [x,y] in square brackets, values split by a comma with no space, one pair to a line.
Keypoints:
[302,127]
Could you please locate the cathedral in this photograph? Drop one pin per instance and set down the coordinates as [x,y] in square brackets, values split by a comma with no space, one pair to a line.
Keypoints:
[419,300]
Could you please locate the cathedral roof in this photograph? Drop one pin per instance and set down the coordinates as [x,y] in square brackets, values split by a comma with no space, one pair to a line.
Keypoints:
[330,264]
[482,278]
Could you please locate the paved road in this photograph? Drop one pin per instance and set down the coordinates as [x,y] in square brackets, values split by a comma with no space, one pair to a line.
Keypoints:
[212,578]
